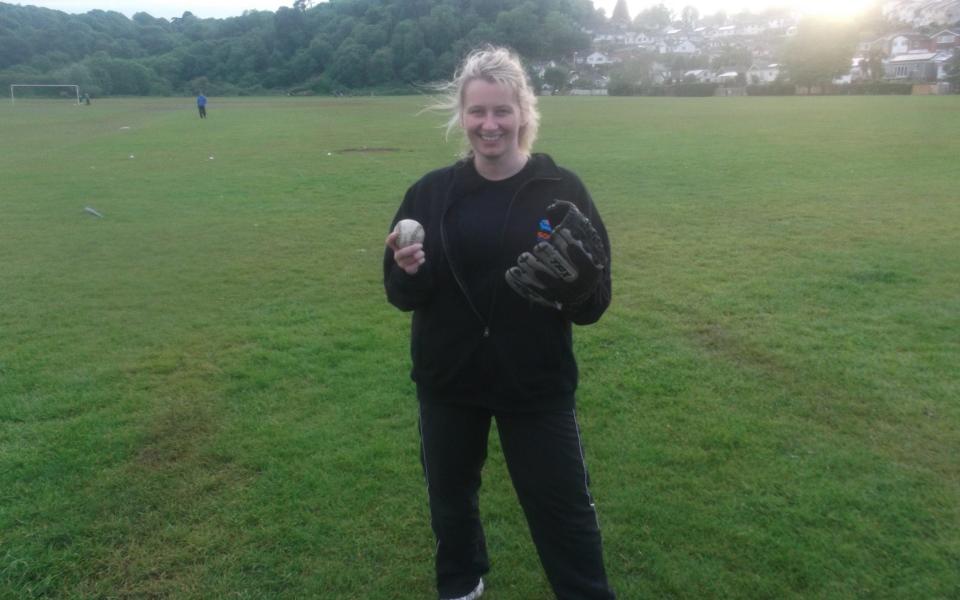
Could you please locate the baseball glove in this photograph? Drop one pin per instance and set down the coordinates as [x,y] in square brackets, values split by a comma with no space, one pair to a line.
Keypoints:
[563,270]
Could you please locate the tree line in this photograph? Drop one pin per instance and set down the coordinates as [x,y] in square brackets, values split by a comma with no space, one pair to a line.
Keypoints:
[336,45]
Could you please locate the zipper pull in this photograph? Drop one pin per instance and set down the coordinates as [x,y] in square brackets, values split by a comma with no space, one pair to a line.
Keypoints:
[486,332]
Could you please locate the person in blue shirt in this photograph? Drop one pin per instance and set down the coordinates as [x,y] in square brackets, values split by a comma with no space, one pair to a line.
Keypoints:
[202,105]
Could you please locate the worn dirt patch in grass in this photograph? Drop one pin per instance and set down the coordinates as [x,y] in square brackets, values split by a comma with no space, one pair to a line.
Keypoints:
[364,149]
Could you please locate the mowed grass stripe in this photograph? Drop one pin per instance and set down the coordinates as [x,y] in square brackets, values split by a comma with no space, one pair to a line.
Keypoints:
[204,394]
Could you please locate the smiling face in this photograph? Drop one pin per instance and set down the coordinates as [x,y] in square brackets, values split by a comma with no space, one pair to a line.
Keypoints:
[492,120]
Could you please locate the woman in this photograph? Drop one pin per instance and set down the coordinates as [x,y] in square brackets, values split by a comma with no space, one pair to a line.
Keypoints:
[502,273]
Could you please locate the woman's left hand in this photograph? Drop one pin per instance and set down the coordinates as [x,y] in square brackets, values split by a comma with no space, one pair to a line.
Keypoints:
[408,258]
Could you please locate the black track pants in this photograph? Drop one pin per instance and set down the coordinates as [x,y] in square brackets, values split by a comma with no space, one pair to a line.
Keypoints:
[545,459]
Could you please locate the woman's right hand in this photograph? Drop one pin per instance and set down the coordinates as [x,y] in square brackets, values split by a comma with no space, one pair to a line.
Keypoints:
[409,258]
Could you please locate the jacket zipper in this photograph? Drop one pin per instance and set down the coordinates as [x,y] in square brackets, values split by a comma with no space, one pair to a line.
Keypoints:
[503,234]
[453,267]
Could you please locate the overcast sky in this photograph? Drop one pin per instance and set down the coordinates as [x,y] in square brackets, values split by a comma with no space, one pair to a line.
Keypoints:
[228,8]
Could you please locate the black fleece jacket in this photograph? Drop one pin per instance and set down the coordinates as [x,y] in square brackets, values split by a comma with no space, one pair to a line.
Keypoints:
[512,355]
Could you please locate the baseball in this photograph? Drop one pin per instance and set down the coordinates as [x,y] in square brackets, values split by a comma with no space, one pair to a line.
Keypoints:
[409,232]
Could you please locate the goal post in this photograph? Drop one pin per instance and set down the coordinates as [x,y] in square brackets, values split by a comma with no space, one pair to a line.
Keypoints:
[14,86]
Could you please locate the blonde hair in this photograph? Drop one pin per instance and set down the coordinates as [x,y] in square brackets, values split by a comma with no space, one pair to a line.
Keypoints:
[494,65]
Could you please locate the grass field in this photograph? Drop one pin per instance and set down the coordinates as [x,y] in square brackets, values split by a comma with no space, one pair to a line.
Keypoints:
[204,393]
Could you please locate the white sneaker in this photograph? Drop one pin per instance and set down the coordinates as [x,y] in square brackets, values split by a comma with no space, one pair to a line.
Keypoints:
[476,593]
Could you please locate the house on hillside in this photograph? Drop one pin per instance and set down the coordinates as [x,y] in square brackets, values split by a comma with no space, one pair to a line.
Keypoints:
[763,74]
[917,67]
[728,78]
[903,43]
[716,44]
[677,46]
[597,59]
[699,76]
[752,29]
[945,40]
[942,60]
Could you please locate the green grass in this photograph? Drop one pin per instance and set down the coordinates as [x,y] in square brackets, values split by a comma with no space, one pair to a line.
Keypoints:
[204,394]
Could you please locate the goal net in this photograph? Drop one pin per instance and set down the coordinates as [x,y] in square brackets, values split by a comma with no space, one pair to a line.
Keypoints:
[44,90]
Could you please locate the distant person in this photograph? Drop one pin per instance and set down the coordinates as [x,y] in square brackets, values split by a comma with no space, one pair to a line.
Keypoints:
[492,332]
[86,99]
[202,105]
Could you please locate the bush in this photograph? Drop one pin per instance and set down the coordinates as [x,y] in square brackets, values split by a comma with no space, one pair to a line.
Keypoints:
[875,88]
[693,90]
[620,88]
[773,89]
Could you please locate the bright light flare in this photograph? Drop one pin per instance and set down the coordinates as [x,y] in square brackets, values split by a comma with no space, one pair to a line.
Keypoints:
[833,9]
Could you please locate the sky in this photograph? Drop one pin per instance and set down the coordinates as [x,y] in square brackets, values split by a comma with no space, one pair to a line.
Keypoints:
[227,8]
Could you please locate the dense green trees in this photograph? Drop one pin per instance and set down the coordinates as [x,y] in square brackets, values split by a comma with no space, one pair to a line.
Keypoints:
[656,17]
[333,45]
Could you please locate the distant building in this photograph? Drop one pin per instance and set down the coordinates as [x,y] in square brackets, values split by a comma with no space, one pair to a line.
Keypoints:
[598,58]
[763,74]
[945,40]
[677,46]
[903,43]
[918,67]
[728,78]
[699,76]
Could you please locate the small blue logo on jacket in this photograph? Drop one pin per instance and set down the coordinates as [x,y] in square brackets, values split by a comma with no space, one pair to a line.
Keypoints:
[545,230]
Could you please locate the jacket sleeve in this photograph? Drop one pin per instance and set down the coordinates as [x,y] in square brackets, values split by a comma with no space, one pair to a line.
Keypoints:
[593,308]
[406,292]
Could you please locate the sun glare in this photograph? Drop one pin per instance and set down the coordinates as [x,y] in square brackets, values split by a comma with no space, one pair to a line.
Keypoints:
[834,9]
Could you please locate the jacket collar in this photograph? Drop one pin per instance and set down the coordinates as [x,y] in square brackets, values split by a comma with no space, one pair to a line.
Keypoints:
[466,179]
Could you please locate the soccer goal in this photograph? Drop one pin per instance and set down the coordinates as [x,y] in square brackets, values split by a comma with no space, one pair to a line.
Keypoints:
[15,86]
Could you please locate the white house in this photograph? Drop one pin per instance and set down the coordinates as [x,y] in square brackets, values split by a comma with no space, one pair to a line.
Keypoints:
[899,45]
[763,74]
[727,31]
[677,47]
[728,77]
[599,58]
[699,76]
[641,39]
